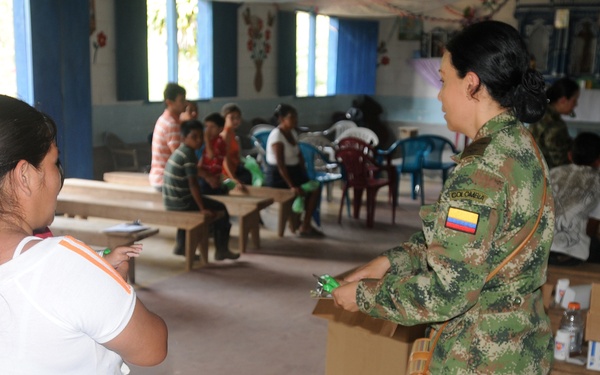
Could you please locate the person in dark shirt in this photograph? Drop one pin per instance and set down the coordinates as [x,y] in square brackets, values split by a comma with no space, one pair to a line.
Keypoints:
[181,190]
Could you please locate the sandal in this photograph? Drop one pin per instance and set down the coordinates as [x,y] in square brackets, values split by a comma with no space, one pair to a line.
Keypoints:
[312,233]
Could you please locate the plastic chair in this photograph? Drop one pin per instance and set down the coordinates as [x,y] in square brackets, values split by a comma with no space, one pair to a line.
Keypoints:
[318,168]
[412,151]
[259,139]
[124,156]
[365,134]
[339,127]
[260,127]
[326,147]
[360,174]
[434,159]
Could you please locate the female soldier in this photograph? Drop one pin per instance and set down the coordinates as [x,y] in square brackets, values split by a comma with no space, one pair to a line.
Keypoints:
[551,132]
[488,207]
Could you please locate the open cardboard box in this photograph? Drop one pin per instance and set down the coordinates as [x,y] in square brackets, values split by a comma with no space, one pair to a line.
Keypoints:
[592,326]
[358,344]
[592,329]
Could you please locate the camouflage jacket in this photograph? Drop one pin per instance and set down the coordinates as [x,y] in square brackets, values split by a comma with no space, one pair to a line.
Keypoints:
[487,207]
[552,136]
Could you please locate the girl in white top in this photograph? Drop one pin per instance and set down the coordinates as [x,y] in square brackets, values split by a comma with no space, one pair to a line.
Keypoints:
[286,168]
[63,309]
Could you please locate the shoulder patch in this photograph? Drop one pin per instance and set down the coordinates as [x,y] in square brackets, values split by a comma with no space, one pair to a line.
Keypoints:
[476,148]
[462,220]
[473,195]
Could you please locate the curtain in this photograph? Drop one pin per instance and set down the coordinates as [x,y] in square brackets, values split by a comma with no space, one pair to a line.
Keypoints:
[357,57]
[428,69]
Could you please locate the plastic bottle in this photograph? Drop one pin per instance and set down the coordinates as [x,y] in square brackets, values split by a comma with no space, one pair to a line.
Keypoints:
[573,323]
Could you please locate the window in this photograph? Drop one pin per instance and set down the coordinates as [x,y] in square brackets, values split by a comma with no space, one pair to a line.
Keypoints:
[8,70]
[316,54]
[173,44]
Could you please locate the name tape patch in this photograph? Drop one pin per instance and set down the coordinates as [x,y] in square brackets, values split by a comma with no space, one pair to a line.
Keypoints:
[462,220]
[473,195]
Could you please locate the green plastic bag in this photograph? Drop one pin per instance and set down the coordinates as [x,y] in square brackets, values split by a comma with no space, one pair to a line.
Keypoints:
[258,178]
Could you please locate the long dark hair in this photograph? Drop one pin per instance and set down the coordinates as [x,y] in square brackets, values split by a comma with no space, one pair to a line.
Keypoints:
[25,134]
[498,55]
[283,110]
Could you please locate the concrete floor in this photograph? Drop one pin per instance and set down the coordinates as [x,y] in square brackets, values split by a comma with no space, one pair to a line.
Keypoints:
[253,316]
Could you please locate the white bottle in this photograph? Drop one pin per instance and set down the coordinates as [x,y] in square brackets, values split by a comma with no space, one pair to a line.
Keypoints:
[561,345]
[573,323]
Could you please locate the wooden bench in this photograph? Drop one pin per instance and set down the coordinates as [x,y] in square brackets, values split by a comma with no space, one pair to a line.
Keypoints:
[195,224]
[282,197]
[91,233]
[246,208]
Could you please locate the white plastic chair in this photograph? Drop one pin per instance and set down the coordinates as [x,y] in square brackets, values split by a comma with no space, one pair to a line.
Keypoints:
[364,134]
[339,127]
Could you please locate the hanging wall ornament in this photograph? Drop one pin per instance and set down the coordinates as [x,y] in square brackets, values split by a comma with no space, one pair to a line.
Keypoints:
[259,42]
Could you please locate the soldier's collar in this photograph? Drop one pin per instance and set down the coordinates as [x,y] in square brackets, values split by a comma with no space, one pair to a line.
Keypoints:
[484,135]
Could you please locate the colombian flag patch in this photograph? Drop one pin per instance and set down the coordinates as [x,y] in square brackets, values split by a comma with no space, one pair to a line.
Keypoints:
[462,220]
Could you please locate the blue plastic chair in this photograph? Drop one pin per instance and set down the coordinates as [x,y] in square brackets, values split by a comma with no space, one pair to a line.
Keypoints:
[413,152]
[434,159]
[259,139]
[318,168]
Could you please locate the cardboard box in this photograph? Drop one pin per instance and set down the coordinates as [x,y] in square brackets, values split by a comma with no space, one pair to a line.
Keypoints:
[592,326]
[358,344]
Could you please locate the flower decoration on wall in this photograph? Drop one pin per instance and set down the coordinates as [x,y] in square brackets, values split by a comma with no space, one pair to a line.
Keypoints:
[382,57]
[100,42]
[259,41]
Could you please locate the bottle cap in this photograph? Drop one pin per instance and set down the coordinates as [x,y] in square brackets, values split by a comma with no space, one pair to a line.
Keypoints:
[573,306]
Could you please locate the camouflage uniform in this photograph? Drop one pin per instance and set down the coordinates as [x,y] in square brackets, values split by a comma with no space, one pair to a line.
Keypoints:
[552,136]
[498,327]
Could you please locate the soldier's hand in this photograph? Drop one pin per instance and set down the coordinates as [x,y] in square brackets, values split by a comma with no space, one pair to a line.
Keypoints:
[345,296]
[375,269]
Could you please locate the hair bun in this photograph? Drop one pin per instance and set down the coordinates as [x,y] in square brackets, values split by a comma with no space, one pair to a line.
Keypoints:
[533,81]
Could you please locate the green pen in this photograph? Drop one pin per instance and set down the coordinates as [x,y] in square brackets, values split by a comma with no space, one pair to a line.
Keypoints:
[104,252]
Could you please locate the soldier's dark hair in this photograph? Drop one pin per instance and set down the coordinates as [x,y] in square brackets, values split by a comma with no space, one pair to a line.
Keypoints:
[216,118]
[172,90]
[498,55]
[585,149]
[189,125]
[564,87]
[283,110]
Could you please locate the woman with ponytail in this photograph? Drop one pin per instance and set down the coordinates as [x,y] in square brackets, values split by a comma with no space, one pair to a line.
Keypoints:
[474,271]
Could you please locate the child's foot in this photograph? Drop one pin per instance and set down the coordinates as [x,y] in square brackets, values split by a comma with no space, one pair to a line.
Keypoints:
[226,255]
[311,232]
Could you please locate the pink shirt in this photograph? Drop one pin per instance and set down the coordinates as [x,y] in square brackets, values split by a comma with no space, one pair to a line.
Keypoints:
[165,139]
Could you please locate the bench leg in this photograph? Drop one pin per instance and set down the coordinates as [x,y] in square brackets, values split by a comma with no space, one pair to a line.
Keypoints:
[285,209]
[255,229]
[249,225]
[193,237]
